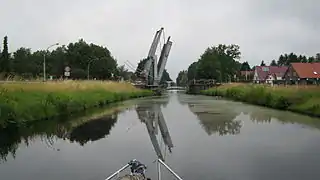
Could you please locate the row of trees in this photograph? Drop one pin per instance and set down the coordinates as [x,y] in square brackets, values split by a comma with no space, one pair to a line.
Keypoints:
[286,59]
[219,62]
[222,63]
[79,56]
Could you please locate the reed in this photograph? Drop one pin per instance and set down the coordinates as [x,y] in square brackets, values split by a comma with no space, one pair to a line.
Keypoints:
[22,102]
[301,99]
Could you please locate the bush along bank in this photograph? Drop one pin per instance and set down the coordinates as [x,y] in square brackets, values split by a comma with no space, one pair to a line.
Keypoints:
[300,100]
[19,106]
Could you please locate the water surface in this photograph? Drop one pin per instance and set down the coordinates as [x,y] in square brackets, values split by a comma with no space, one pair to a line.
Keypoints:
[203,138]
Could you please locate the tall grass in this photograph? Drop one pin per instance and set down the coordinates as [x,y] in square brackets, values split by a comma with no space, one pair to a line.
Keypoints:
[302,99]
[21,102]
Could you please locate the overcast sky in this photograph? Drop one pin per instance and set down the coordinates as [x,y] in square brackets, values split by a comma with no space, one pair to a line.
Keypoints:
[263,28]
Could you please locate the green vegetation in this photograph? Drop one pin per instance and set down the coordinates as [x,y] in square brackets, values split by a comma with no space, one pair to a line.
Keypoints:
[65,127]
[182,79]
[218,62]
[305,100]
[22,102]
[222,63]
[24,64]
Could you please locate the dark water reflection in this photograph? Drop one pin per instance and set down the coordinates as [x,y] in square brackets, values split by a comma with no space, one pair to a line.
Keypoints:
[75,129]
[93,130]
[199,137]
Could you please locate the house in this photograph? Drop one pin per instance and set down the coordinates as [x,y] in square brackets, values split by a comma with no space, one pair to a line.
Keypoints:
[269,74]
[303,73]
[246,75]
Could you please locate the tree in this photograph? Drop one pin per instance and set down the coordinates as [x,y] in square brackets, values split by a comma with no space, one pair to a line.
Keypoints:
[286,59]
[303,59]
[245,66]
[311,59]
[22,63]
[292,58]
[273,63]
[317,58]
[262,63]
[58,61]
[219,62]
[281,60]
[182,78]
[124,73]
[192,71]
[5,57]
[140,68]
[79,56]
[165,77]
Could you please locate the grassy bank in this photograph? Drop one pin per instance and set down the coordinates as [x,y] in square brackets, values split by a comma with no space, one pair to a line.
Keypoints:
[21,102]
[301,99]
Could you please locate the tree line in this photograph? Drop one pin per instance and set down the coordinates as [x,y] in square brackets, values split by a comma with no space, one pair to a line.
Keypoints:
[218,62]
[286,59]
[80,56]
[222,64]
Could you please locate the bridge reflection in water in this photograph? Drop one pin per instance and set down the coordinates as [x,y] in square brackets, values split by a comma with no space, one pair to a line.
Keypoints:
[152,116]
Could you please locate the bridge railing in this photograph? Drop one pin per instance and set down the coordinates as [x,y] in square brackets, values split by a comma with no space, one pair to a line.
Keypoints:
[175,87]
[202,82]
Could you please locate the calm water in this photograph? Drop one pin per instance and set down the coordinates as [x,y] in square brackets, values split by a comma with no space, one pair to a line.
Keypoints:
[208,139]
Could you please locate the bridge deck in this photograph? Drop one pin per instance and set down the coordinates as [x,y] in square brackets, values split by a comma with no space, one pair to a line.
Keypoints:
[195,86]
[176,88]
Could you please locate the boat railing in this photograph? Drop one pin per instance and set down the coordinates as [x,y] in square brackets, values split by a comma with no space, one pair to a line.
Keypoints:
[118,172]
[159,162]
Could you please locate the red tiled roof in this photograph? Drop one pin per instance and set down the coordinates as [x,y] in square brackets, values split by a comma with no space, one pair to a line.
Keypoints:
[277,70]
[307,70]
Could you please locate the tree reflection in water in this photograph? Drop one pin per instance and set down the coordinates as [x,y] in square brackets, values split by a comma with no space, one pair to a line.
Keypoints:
[215,116]
[93,130]
[266,115]
[216,120]
[9,142]
[79,130]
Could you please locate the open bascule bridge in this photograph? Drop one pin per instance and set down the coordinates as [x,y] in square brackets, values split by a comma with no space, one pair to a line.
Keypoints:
[153,69]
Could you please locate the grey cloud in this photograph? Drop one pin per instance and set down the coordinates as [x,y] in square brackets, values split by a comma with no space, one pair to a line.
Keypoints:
[263,29]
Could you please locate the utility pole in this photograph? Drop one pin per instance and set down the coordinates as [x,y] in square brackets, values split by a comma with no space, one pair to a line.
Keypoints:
[44,60]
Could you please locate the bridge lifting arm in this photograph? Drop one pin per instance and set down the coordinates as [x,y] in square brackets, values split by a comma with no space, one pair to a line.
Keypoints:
[151,55]
[163,59]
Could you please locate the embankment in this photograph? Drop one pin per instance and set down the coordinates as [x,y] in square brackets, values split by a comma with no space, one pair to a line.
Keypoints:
[23,102]
[300,99]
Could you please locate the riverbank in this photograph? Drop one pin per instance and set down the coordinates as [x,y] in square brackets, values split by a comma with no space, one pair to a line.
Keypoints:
[24,102]
[300,99]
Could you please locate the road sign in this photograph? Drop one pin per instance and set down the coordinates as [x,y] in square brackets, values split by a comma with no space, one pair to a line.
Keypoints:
[67,69]
[67,74]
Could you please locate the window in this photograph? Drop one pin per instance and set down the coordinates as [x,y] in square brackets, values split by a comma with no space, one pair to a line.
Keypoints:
[265,69]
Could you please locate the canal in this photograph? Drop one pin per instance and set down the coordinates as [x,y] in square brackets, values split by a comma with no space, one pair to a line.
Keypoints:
[207,139]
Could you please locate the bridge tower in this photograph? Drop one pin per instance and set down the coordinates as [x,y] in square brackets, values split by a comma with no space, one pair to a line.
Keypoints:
[154,68]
